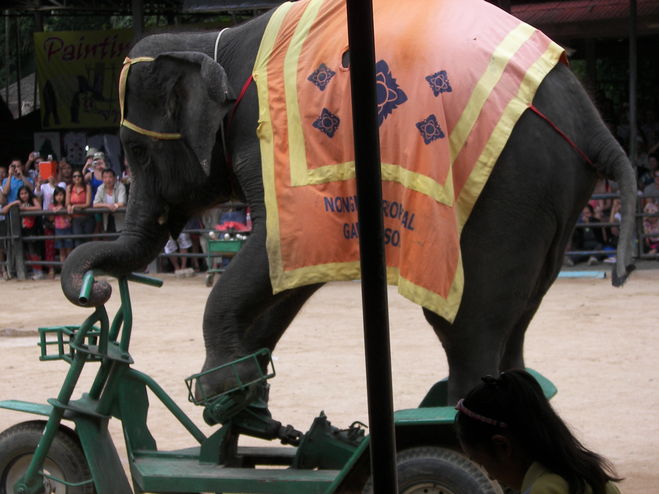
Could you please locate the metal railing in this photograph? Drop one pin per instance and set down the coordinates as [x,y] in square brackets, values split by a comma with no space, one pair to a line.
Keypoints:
[639,234]
[15,243]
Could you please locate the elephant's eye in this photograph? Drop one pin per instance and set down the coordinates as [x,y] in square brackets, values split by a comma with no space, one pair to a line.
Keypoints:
[138,153]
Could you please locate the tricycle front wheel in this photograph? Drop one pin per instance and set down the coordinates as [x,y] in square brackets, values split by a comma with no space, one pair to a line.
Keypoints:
[65,459]
[436,470]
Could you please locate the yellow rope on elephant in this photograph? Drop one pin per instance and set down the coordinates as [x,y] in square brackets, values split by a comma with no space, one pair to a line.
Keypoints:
[123,77]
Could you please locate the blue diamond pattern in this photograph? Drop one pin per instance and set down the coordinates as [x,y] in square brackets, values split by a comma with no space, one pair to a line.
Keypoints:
[321,76]
[389,94]
[439,83]
[327,122]
[430,129]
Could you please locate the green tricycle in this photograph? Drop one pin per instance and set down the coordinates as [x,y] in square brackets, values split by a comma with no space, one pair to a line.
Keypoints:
[45,455]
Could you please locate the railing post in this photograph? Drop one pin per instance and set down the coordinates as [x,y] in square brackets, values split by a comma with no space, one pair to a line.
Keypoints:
[16,255]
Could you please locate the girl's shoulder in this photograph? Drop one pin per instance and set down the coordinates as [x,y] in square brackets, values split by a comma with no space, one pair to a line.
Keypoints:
[549,483]
[539,480]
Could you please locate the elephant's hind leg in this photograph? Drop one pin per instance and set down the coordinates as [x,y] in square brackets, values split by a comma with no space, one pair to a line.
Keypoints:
[473,349]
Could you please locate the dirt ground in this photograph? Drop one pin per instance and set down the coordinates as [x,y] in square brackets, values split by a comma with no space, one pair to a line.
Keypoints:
[598,345]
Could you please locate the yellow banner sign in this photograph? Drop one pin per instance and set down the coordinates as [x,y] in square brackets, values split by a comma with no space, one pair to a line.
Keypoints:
[77,75]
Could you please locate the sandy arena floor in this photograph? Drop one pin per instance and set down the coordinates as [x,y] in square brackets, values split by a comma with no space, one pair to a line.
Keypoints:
[598,344]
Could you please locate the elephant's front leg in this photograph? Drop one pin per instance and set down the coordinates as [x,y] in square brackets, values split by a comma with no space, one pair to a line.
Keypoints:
[242,315]
[241,295]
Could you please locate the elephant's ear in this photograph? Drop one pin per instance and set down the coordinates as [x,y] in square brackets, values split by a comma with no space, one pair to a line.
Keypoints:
[199,99]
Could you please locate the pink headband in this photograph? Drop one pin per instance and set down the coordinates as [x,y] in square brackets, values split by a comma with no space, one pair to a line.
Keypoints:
[460,407]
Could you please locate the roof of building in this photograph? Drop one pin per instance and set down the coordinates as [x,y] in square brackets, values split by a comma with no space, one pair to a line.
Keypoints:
[589,18]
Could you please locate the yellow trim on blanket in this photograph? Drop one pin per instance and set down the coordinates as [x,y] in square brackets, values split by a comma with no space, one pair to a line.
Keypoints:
[431,300]
[476,182]
[503,129]
[301,175]
[296,145]
[421,183]
[347,271]
[501,57]
[264,131]
[337,271]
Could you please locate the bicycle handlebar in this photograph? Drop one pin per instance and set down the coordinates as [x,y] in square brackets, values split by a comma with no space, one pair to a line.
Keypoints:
[88,282]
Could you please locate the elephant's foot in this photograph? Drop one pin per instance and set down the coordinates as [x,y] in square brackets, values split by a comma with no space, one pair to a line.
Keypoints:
[220,376]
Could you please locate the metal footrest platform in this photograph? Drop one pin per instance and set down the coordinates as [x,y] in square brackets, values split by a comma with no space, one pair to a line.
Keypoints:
[162,474]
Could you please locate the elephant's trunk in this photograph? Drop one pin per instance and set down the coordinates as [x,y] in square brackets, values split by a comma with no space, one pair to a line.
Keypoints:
[144,236]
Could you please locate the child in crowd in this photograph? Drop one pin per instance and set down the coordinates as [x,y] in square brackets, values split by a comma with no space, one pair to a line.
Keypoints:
[29,226]
[44,191]
[62,224]
[507,425]
[651,227]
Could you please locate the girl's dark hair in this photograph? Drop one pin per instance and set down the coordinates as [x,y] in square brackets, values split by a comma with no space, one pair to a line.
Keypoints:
[29,191]
[516,399]
[58,190]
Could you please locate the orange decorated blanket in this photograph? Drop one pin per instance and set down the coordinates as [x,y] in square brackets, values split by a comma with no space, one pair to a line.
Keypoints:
[453,78]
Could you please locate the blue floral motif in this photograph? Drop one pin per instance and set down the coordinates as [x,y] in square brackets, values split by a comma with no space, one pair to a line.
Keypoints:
[430,129]
[321,76]
[389,94]
[439,83]
[327,122]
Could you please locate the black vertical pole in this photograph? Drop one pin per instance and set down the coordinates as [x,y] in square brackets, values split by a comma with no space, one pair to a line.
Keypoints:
[371,244]
[19,111]
[633,77]
[38,28]
[137,7]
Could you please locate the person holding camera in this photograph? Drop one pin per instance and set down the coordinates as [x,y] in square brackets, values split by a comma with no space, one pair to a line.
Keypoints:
[15,181]
[31,168]
[93,169]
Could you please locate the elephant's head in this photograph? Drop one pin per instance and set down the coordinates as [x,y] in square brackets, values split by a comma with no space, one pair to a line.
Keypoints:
[172,109]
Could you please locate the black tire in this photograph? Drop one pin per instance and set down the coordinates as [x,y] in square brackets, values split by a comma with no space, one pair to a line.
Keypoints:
[65,460]
[434,470]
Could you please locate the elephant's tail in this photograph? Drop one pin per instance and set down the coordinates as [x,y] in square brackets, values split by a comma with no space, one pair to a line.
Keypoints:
[611,161]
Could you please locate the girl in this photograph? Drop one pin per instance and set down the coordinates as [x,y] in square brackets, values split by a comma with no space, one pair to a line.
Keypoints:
[29,226]
[507,425]
[651,228]
[44,192]
[79,196]
[62,224]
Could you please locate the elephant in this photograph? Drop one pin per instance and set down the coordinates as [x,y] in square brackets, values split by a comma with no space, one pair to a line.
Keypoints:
[205,151]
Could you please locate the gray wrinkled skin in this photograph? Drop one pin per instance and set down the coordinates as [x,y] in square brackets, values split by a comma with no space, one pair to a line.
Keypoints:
[512,245]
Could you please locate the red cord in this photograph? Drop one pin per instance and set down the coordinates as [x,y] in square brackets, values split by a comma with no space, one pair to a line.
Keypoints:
[562,134]
[227,156]
[239,99]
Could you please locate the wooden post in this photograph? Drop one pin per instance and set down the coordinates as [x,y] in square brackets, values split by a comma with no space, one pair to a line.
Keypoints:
[16,254]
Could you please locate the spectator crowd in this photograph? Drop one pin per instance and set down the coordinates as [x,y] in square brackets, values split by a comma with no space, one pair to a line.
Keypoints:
[43,184]
[591,235]
[65,192]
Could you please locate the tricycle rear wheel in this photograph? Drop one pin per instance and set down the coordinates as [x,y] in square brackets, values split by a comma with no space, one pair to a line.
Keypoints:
[65,459]
[435,470]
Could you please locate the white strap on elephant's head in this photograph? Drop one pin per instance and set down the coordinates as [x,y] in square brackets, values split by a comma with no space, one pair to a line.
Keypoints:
[123,77]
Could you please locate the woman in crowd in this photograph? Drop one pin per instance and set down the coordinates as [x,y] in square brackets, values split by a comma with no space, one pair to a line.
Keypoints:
[29,225]
[62,224]
[79,196]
